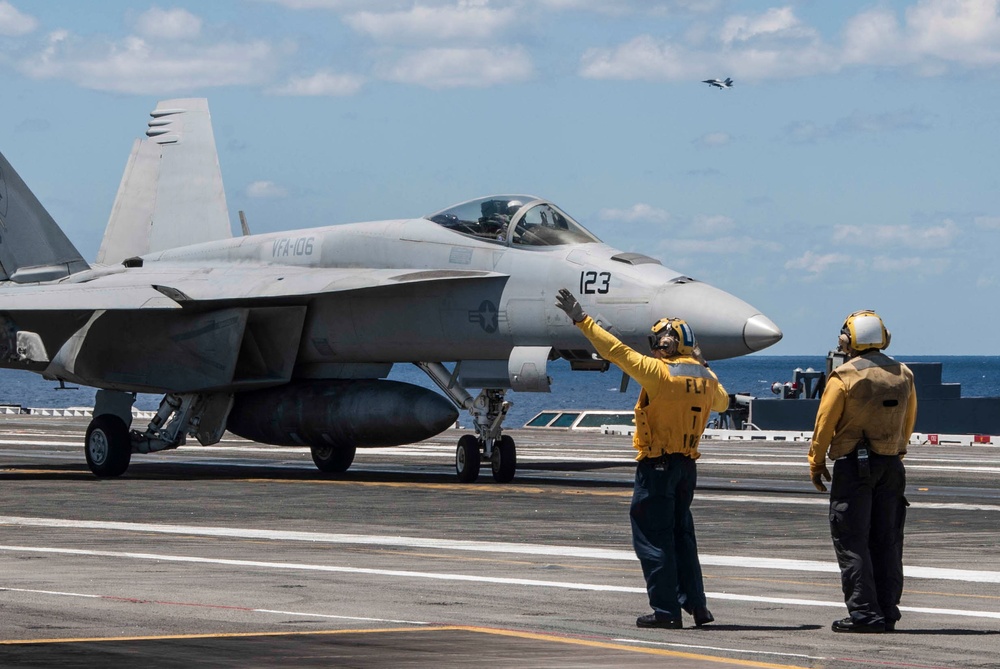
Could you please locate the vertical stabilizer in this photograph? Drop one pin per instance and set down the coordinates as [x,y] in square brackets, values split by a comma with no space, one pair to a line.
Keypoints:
[32,247]
[171,193]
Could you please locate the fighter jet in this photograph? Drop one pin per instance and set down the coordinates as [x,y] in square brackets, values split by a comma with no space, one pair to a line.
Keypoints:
[726,83]
[286,338]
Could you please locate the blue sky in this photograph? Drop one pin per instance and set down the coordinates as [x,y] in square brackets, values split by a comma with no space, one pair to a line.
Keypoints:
[853,165]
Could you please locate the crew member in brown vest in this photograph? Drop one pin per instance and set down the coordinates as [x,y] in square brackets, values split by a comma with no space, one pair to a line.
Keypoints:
[864,422]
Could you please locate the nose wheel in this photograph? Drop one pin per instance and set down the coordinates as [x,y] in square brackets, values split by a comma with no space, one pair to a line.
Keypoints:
[504,460]
[488,410]
[471,451]
[467,458]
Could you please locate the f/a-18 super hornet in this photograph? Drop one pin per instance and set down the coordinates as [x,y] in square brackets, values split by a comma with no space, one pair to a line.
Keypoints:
[724,83]
[287,338]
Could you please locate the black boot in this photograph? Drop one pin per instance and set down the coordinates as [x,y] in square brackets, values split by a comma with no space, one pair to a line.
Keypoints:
[848,625]
[652,620]
[702,616]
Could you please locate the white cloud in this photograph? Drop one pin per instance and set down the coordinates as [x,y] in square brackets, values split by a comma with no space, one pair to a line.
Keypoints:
[455,68]
[14,23]
[642,57]
[266,189]
[138,65]
[172,24]
[340,5]
[719,246]
[858,124]
[714,139]
[662,8]
[932,37]
[907,266]
[636,213]
[988,222]
[817,264]
[776,22]
[648,58]
[873,36]
[905,236]
[904,266]
[887,264]
[321,83]
[713,223]
[468,21]
[961,30]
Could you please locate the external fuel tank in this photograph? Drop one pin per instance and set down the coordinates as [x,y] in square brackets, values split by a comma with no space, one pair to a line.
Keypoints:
[359,413]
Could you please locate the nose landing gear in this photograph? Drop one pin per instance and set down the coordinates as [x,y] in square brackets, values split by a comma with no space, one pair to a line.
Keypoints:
[488,409]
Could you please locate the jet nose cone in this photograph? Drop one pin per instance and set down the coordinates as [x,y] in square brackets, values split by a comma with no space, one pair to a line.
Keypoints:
[760,332]
[724,325]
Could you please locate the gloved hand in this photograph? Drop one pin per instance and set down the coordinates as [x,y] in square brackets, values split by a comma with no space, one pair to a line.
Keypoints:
[817,474]
[568,303]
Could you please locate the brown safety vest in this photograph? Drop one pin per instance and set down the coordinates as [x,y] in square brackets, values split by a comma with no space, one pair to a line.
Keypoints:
[878,392]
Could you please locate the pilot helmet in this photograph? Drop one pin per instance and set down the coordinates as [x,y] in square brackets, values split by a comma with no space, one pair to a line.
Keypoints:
[513,206]
[672,335]
[862,331]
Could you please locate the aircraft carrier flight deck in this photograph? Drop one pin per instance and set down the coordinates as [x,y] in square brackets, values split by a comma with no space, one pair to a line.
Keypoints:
[245,555]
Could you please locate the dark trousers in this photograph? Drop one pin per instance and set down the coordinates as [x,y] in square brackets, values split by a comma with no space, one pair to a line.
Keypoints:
[663,534]
[866,523]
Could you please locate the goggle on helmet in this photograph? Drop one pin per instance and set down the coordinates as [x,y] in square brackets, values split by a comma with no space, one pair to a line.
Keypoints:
[676,329]
[864,330]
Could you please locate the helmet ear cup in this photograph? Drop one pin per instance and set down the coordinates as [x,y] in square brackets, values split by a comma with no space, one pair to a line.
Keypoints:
[843,342]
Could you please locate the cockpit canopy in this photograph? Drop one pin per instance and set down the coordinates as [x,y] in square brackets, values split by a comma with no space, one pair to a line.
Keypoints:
[516,220]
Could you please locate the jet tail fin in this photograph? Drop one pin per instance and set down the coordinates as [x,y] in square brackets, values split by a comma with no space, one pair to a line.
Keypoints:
[171,193]
[32,246]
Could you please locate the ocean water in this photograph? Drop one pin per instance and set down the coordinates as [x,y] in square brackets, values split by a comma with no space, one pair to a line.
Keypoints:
[753,375]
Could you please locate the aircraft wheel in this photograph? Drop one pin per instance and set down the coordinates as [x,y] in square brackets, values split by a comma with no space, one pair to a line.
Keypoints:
[504,460]
[108,447]
[467,459]
[333,459]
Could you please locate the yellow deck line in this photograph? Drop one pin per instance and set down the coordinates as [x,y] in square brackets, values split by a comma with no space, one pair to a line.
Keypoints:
[535,636]
[634,649]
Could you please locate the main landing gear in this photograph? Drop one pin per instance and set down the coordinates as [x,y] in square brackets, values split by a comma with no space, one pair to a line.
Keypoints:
[332,460]
[107,446]
[488,410]
[110,442]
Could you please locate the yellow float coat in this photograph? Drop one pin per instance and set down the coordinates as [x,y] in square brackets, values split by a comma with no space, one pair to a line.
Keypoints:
[678,395]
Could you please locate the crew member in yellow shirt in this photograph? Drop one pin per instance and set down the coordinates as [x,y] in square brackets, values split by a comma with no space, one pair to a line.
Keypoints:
[679,392]
[864,422]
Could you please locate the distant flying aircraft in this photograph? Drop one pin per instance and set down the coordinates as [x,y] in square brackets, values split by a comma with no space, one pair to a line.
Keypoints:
[286,338]
[727,83]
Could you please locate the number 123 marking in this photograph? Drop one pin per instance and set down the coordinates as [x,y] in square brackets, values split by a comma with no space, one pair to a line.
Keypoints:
[595,282]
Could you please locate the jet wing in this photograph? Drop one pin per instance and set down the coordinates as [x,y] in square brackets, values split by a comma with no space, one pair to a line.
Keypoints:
[248,285]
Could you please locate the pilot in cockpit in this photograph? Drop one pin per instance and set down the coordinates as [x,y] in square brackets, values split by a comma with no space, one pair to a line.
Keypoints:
[496,217]
[512,208]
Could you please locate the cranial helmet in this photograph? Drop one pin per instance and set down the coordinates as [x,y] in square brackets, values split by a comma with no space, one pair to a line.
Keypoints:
[672,335]
[864,330]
